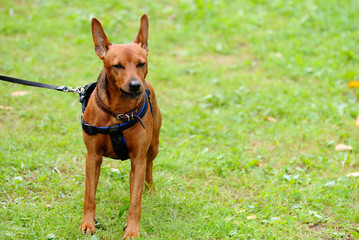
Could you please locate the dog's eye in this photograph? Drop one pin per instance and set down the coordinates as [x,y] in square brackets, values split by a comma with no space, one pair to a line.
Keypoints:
[119,66]
[141,64]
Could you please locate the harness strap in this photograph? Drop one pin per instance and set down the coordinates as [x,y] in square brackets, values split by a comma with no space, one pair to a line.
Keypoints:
[85,95]
[120,146]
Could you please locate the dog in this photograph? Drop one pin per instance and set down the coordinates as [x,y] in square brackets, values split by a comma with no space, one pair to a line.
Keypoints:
[121,92]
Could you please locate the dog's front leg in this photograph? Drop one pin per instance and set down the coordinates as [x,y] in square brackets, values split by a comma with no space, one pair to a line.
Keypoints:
[93,167]
[137,180]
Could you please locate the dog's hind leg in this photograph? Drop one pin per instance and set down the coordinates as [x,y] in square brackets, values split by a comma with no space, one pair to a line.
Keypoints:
[93,167]
[151,155]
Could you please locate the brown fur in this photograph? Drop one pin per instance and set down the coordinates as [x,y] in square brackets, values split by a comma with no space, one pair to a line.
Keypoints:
[142,143]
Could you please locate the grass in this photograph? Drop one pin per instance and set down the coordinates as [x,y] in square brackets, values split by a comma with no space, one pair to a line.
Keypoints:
[220,69]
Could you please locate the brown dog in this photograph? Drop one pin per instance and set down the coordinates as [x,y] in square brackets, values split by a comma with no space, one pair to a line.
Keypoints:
[121,89]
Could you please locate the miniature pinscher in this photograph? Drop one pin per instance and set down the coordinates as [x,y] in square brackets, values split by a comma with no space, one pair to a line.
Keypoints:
[122,95]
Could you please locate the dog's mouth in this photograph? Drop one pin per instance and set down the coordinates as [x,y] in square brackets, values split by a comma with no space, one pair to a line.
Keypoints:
[131,95]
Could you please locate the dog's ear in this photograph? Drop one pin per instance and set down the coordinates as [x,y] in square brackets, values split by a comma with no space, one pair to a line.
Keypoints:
[142,36]
[99,38]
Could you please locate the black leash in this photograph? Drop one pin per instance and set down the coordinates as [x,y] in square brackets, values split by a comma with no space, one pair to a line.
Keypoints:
[41,85]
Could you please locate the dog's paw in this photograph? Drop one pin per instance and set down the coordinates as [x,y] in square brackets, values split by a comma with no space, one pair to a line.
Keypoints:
[88,227]
[129,234]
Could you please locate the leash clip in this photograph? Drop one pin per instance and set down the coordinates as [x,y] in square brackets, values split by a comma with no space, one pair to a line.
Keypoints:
[80,90]
[68,89]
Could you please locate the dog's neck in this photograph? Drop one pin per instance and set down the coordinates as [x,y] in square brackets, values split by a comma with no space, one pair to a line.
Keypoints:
[112,97]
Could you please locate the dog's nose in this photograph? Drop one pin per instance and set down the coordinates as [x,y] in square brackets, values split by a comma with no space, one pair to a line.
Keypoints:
[135,85]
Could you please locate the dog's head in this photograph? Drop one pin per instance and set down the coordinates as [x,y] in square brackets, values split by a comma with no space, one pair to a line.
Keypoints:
[125,64]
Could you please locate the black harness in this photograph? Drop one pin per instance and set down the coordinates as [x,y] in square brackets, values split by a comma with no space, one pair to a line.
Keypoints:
[115,131]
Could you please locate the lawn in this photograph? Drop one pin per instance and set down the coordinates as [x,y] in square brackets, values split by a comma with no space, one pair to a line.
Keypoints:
[254,97]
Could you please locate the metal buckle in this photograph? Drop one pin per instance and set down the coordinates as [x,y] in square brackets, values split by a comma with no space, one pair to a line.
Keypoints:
[118,117]
[129,117]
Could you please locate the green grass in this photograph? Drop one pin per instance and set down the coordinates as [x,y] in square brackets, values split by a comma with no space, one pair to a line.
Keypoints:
[220,68]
